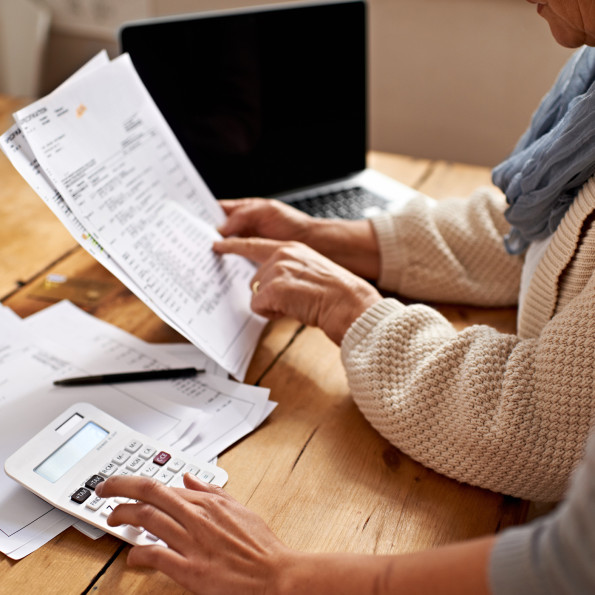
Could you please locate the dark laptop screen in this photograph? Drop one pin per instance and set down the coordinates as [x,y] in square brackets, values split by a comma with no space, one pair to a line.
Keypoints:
[262,101]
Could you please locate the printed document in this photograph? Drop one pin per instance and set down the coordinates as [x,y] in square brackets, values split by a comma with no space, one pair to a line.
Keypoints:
[106,151]
[201,416]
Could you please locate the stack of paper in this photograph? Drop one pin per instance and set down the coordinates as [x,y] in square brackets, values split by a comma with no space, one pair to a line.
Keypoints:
[100,154]
[201,415]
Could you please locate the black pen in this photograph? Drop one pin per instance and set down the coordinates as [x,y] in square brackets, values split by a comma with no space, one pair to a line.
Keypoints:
[166,374]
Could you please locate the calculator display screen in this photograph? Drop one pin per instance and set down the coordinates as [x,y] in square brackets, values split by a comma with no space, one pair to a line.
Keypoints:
[71,452]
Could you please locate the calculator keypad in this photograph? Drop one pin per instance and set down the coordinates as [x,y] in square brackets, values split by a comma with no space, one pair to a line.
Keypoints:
[136,459]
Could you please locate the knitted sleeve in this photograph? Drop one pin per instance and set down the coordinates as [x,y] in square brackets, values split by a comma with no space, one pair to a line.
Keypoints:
[449,251]
[553,555]
[482,407]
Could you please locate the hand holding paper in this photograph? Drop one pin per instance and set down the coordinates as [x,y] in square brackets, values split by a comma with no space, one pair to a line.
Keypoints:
[125,182]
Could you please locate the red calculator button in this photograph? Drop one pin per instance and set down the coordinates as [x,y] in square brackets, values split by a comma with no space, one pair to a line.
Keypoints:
[162,458]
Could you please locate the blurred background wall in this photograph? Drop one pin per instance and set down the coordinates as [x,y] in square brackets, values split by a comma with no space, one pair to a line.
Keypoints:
[449,79]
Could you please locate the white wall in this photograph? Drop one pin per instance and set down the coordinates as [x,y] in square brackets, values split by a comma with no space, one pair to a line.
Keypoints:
[457,79]
[24,29]
[449,79]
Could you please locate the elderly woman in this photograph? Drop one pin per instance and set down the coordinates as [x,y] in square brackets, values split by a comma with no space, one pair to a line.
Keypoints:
[509,413]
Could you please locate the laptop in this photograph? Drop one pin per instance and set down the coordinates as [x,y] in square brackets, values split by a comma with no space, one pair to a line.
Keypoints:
[269,101]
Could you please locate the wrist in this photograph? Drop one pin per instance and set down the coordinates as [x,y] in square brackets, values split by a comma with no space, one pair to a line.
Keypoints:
[320,574]
[352,304]
[352,244]
[320,233]
[448,570]
[296,574]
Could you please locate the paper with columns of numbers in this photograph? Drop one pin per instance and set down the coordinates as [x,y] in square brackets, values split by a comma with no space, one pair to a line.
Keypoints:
[108,151]
[17,149]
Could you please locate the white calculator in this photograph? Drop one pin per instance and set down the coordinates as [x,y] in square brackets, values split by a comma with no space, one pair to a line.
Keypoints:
[66,460]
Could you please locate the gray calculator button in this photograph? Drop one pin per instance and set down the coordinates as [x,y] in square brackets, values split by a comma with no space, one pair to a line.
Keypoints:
[147,452]
[135,464]
[133,446]
[193,469]
[206,476]
[95,503]
[121,457]
[149,470]
[164,476]
[107,510]
[177,481]
[175,465]
[108,470]
[80,495]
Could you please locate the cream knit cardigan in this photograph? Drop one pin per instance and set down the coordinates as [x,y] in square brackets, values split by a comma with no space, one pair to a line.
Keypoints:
[506,412]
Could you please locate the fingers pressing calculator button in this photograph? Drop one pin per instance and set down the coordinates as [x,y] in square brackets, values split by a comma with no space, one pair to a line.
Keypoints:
[80,495]
[93,481]
[162,458]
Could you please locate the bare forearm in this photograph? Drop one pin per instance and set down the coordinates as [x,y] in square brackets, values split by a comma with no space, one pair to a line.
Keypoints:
[455,569]
[352,244]
[218,546]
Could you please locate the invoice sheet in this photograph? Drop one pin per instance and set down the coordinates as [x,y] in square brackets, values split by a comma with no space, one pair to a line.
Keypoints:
[109,152]
[15,146]
[17,149]
[231,409]
[28,402]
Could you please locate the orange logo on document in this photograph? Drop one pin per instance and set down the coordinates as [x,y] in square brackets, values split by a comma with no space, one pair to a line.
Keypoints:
[80,110]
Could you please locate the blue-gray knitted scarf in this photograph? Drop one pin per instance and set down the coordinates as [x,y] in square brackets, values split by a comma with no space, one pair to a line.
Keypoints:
[554,157]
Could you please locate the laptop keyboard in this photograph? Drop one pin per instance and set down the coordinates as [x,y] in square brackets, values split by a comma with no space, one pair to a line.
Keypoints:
[348,203]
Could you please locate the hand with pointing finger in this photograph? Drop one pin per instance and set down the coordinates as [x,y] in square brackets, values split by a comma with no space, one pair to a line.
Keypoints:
[352,244]
[266,218]
[294,280]
[215,545]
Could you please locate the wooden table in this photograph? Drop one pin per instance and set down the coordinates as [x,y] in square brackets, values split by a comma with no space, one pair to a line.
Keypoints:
[319,475]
